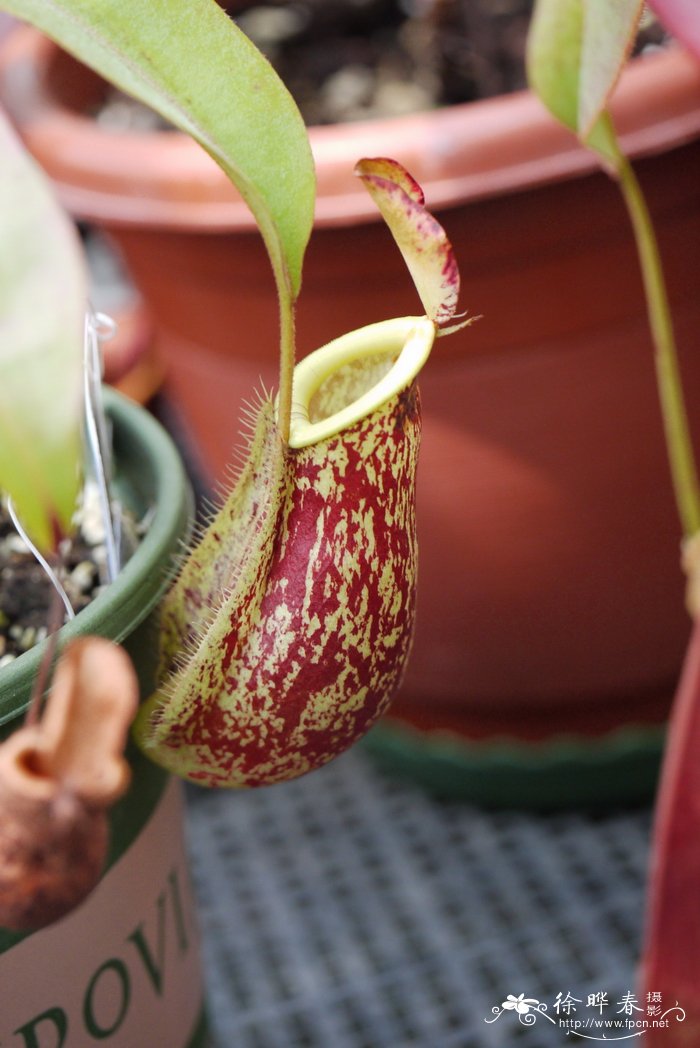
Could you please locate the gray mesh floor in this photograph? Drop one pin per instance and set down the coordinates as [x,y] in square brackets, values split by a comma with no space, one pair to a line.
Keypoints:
[348,910]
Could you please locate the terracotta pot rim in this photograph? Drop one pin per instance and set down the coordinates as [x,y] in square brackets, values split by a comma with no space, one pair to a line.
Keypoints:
[459,154]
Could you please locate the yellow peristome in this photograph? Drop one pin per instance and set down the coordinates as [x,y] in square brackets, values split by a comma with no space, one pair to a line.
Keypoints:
[409,337]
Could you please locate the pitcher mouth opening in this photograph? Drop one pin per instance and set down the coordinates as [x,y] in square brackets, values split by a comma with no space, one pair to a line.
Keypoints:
[350,377]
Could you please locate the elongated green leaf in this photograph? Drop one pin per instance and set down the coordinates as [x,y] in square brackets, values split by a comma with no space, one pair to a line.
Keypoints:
[42,309]
[188,61]
[610,27]
[576,50]
[554,57]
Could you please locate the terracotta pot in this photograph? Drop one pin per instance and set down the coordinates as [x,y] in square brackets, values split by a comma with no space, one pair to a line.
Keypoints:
[131,364]
[550,598]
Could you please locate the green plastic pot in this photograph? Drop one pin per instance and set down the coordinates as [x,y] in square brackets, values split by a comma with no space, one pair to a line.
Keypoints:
[123,968]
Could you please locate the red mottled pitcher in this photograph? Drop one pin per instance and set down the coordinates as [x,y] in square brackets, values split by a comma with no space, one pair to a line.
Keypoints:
[288,629]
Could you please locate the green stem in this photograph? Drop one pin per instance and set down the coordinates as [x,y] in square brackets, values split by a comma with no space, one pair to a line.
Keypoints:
[678,441]
[287,356]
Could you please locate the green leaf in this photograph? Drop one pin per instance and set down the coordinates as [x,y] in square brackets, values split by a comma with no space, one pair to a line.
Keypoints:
[554,57]
[575,53]
[188,61]
[610,27]
[42,312]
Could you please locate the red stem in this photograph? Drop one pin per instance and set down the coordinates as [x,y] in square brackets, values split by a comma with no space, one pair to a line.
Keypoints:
[671,957]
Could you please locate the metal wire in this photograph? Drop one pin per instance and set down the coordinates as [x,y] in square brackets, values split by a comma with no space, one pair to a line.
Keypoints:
[53,577]
[99,327]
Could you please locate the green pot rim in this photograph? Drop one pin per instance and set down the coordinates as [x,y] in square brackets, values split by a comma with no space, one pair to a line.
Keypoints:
[150,471]
[563,771]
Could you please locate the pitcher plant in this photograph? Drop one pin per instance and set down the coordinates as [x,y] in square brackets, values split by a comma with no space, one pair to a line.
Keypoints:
[288,629]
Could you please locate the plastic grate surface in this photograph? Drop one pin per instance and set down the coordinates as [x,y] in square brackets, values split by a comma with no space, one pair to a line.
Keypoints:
[348,910]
